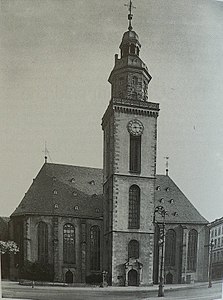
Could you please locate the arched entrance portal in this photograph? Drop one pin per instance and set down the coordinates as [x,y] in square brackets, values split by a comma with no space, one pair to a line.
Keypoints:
[169,278]
[69,278]
[133,278]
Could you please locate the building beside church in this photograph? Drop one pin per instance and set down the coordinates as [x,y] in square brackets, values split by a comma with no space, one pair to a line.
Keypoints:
[83,221]
[216,237]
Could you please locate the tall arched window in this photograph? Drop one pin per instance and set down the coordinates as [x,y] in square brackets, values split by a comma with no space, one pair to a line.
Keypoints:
[133,249]
[95,248]
[134,207]
[192,250]
[170,248]
[69,244]
[42,236]
[135,154]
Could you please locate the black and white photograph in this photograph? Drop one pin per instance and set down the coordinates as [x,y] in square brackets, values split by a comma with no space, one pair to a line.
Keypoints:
[111,149]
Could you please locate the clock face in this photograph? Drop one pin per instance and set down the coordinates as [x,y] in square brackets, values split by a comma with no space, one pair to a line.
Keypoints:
[135,127]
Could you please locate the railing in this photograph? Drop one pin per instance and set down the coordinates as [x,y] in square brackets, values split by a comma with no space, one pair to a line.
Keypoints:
[136,103]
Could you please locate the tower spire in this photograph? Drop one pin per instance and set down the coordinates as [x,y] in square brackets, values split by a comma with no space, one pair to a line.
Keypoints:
[130,15]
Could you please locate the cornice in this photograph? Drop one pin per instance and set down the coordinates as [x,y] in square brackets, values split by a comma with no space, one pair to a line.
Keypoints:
[129,69]
[129,106]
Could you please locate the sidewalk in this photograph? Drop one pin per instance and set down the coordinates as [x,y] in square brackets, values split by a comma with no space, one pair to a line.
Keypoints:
[6,284]
[109,288]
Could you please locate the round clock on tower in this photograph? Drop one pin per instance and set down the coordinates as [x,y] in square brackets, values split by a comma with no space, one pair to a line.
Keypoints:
[135,127]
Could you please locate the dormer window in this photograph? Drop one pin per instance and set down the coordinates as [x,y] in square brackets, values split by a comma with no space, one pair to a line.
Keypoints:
[167,189]
[76,207]
[161,200]
[158,188]
[72,180]
[74,194]
[92,182]
[97,210]
[56,206]
[55,192]
[171,201]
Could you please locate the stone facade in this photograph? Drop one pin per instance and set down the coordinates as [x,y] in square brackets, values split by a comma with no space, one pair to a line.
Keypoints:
[179,272]
[28,242]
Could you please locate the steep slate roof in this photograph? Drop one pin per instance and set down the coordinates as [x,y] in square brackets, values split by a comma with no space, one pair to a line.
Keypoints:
[82,187]
[179,208]
[58,189]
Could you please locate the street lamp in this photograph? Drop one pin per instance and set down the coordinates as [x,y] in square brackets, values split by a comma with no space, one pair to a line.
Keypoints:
[162,212]
[211,246]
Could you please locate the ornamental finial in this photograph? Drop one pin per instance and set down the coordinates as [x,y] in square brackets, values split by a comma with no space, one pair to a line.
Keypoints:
[167,165]
[130,15]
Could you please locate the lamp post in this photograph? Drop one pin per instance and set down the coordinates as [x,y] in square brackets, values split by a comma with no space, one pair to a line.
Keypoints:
[211,246]
[162,212]
[104,279]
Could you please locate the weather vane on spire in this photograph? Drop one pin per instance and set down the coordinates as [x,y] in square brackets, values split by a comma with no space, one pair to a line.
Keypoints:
[46,152]
[130,15]
[167,164]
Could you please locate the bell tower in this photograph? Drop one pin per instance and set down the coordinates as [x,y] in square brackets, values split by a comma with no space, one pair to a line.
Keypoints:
[130,135]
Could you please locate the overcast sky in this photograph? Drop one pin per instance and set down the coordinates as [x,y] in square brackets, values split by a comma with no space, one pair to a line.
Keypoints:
[56,56]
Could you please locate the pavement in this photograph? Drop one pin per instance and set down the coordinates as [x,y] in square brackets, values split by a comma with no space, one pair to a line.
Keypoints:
[119,288]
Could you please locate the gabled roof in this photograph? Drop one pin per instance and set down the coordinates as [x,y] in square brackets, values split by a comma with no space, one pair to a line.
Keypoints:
[64,190]
[178,207]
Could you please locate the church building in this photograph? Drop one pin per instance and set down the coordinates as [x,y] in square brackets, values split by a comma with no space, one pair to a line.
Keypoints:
[84,221]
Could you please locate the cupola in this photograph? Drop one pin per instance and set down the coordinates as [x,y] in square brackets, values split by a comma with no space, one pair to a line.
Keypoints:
[130,44]
[130,76]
